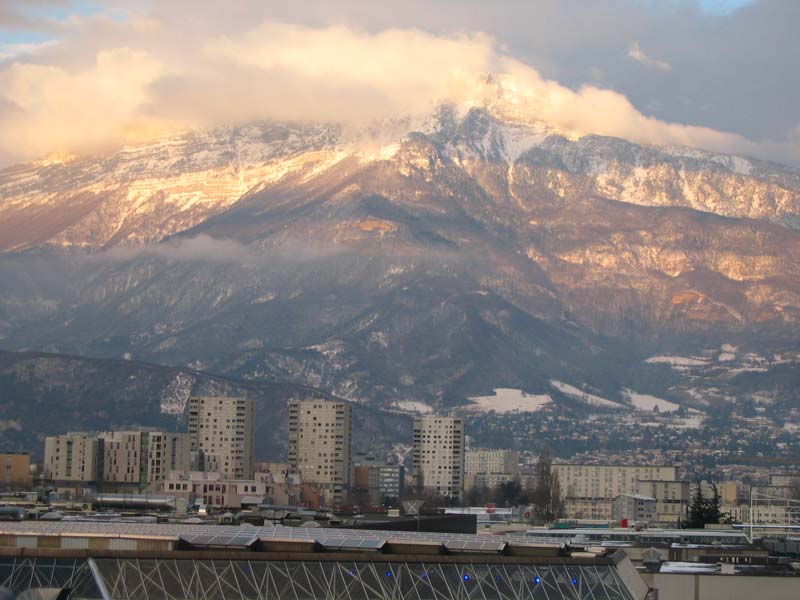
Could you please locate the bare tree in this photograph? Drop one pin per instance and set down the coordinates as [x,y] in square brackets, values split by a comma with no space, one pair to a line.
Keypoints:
[547,493]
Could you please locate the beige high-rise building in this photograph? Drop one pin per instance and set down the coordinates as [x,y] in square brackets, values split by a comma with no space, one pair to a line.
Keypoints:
[438,453]
[73,457]
[320,445]
[588,490]
[222,430]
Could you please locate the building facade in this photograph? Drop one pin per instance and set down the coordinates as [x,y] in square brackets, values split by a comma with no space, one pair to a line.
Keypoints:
[438,455]
[116,460]
[137,458]
[633,508]
[222,433]
[588,490]
[672,499]
[320,446]
[15,470]
[73,458]
[489,467]
[213,490]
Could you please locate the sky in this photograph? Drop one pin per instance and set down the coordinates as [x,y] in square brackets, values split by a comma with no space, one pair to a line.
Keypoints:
[87,76]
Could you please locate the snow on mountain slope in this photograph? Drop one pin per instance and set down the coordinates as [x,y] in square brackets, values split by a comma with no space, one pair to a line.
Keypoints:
[146,193]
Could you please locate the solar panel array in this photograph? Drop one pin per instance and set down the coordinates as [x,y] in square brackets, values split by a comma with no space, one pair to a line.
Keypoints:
[239,539]
[475,546]
[216,534]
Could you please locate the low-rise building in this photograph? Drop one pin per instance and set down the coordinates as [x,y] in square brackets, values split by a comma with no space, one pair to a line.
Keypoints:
[489,465]
[213,489]
[126,461]
[15,470]
[634,508]
[588,490]
[672,499]
[73,458]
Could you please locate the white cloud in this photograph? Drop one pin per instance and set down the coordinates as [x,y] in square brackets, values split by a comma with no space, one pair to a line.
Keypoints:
[120,81]
[637,54]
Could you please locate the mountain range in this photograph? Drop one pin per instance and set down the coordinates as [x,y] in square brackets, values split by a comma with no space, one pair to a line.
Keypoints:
[412,266]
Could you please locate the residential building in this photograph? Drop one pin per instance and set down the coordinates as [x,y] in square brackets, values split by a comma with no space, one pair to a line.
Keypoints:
[438,455]
[134,459]
[502,465]
[633,508]
[116,460]
[588,490]
[320,446]
[492,480]
[73,458]
[15,470]
[382,482]
[672,498]
[222,432]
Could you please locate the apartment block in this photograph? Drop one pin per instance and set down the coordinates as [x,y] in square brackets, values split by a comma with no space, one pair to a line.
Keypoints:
[672,498]
[137,458]
[15,470]
[588,490]
[490,466]
[222,432]
[438,455]
[381,481]
[73,457]
[320,446]
[633,508]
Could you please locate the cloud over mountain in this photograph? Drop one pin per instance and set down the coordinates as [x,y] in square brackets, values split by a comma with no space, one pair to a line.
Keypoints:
[112,81]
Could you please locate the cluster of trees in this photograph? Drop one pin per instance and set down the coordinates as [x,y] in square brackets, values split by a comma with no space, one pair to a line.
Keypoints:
[544,495]
[705,511]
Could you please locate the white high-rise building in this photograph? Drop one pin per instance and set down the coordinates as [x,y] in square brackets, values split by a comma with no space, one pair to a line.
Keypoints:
[320,445]
[438,452]
[222,431]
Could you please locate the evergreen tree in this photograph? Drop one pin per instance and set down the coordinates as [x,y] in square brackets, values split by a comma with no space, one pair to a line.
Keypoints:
[705,511]
[696,515]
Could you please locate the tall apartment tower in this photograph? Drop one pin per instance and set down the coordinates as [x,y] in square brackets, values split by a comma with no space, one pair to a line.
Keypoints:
[320,445]
[438,453]
[222,431]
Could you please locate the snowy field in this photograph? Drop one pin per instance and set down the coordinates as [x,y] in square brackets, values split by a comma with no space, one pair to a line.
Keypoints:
[648,402]
[506,400]
[578,394]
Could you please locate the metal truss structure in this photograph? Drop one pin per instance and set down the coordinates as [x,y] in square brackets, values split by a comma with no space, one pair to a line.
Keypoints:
[207,579]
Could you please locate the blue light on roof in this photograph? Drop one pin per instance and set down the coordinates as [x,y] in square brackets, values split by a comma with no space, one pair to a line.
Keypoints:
[574,581]
[537,580]
[466,577]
